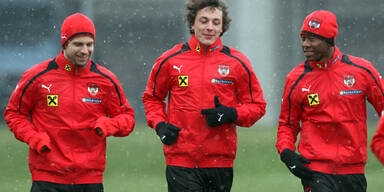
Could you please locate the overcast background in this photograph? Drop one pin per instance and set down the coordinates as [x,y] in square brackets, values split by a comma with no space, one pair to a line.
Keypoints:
[131,34]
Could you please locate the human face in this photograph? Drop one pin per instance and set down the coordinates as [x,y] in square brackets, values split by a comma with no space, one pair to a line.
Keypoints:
[79,50]
[208,25]
[315,49]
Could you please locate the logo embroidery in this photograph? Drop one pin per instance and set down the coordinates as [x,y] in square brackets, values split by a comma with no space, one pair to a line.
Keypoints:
[223,70]
[220,116]
[91,100]
[221,81]
[45,87]
[178,68]
[351,92]
[305,89]
[183,80]
[292,167]
[314,24]
[52,100]
[313,99]
[214,48]
[93,89]
[198,48]
[68,67]
[349,81]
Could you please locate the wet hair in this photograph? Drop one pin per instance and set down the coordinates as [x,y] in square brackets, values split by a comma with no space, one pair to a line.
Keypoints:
[193,6]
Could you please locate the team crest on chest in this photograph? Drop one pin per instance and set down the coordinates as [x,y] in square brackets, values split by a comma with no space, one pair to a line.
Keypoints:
[349,80]
[93,88]
[223,70]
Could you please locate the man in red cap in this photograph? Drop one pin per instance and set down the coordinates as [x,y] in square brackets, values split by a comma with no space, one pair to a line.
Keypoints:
[64,108]
[324,100]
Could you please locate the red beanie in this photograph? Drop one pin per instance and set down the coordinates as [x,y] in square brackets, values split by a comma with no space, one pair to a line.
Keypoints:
[321,24]
[76,25]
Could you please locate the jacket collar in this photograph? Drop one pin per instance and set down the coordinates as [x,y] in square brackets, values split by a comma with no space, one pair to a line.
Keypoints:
[65,65]
[330,62]
[196,47]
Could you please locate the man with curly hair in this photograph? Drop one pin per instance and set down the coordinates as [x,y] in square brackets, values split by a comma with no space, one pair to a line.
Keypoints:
[211,89]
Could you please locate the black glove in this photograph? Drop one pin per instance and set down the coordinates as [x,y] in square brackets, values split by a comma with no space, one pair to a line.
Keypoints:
[167,132]
[294,162]
[219,115]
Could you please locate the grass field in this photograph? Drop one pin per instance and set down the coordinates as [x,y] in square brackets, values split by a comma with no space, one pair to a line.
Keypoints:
[136,163]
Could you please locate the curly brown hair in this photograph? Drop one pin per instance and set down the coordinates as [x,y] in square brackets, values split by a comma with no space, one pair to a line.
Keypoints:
[193,6]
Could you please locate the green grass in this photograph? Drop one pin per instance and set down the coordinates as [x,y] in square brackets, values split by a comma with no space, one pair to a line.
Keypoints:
[136,163]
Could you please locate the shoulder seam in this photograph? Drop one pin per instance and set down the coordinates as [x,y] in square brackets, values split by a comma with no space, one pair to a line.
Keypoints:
[96,70]
[345,59]
[185,47]
[227,51]
[307,69]
[51,65]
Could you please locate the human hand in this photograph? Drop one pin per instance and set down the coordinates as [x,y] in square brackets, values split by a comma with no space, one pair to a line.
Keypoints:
[167,132]
[220,114]
[40,142]
[294,162]
[105,126]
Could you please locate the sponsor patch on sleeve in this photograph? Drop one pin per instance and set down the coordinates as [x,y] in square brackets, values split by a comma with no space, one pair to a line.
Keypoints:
[90,100]
[351,92]
[222,81]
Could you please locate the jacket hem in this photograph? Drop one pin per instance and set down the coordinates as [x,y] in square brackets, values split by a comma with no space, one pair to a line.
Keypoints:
[66,179]
[209,162]
[333,168]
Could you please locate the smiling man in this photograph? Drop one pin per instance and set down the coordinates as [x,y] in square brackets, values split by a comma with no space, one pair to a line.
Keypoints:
[64,108]
[211,89]
[324,100]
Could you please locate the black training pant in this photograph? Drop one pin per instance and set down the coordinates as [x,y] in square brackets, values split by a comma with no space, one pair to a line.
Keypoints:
[42,186]
[182,179]
[322,182]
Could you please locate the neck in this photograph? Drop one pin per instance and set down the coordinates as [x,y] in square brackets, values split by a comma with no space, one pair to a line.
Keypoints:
[331,50]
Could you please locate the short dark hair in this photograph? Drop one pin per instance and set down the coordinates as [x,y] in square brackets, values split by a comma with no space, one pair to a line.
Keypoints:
[193,6]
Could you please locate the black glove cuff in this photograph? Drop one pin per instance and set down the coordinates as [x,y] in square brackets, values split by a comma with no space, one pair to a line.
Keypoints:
[286,155]
[234,114]
[159,126]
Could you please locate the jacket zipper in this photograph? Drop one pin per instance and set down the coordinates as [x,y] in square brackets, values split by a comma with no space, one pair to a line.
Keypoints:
[203,54]
[73,118]
[332,96]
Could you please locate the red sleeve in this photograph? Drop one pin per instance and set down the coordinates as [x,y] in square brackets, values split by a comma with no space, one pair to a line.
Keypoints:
[19,108]
[375,92]
[289,122]
[252,104]
[119,110]
[156,91]
[377,143]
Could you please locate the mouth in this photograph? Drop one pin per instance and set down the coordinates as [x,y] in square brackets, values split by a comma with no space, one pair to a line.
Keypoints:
[308,53]
[207,36]
[84,57]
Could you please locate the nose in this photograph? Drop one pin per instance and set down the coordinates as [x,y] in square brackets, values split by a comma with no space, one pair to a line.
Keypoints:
[84,49]
[305,43]
[210,26]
